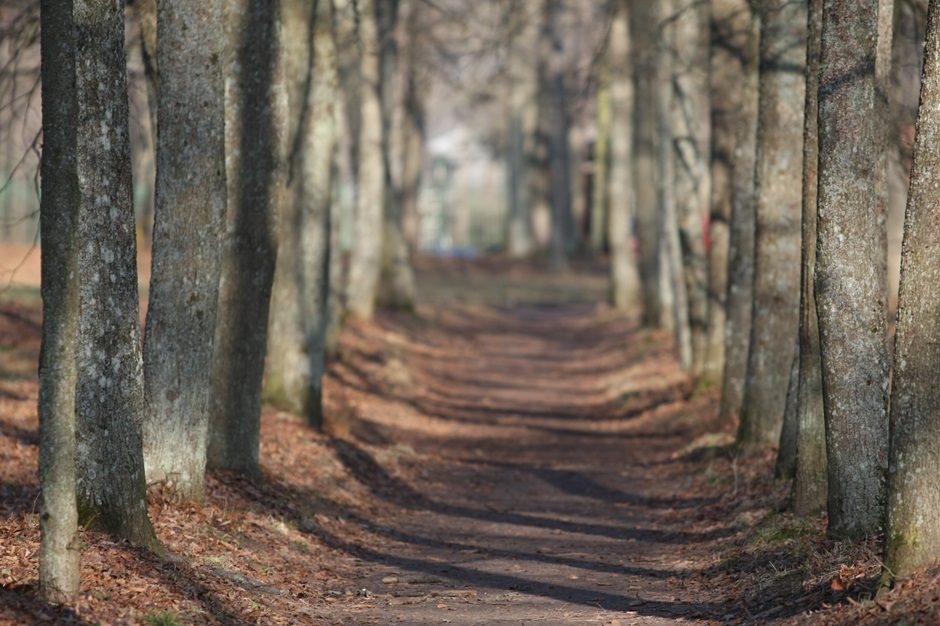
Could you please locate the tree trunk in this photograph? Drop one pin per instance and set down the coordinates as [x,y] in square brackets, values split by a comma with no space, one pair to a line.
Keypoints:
[255,108]
[741,229]
[850,277]
[643,51]
[600,196]
[689,115]
[624,277]
[366,261]
[414,133]
[555,94]
[187,245]
[109,399]
[297,329]
[672,276]
[397,280]
[729,32]
[58,519]
[785,467]
[810,486]
[778,175]
[913,524]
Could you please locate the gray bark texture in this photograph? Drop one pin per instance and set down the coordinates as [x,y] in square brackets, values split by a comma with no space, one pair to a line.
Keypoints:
[397,280]
[555,124]
[625,290]
[850,283]
[187,244]
[730,22]
[810,484]
[913,524]
[299,299]
[778,178]
[523,123]
[644,58]
[689,117]
[413,130]
[600,194]
[785,467]
[672,275]
[255,108]
[366,262]
[740,278]
[109,398]
[58,214]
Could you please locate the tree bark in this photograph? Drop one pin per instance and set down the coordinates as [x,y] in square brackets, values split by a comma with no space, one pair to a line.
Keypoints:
[643,52]
[810,487]
[557,123]
[850,277]
[730,32]
[689,114]
[366,262]
[58,216]
[672,276]
[397,280]
[778,174]
[600,195]
[187,244]
[414,131]
[785,467]
[913,524]
[624,277]
[109,400]
[299,299]
[741,229]
[255,108]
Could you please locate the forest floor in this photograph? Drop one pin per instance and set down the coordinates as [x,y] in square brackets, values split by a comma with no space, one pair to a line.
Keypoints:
[512,453]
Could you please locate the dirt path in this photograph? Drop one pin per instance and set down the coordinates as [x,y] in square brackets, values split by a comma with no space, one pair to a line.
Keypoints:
[538,484]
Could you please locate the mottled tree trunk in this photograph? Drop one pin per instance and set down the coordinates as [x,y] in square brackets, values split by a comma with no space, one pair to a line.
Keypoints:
[557,123]
[187,244]
[785,467]
[741,228]
[600,196]
[397,280]
[850,263]
[689,117]
[810,486]
[109,398]
[624,277]
[778,177]
[913,524]
[645,172]
[297,328]
[730,24]
[414,132]
[255,108]
[672,276]
[58,216]
[366,262]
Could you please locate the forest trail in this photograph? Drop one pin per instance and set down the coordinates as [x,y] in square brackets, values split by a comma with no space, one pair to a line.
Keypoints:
[545,486]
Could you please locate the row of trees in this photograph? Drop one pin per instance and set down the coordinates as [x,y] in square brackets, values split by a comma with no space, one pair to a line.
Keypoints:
[259,106]
[773,124]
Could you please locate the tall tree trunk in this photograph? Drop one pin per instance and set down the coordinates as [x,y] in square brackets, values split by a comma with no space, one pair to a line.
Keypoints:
[913,524]
[414,132]
[187,245]
[109,398]
[366,261]
[58,217]
[730,23]
[785,467]
[810,485]
[624,277]
[255,108]
[643,53]
[600,196]
[557,123]
[689,114]
[397,280]
[299,299]
[672,275]
[850,277]
[739,300]
[778,175]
